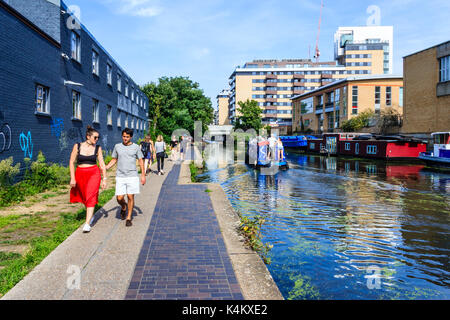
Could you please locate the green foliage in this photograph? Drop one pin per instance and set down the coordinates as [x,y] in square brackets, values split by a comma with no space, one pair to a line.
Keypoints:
[8,172]
[176,103]
[250,117]
[358,122]
[41,177]
[250,228]
[194,171]
[53,233]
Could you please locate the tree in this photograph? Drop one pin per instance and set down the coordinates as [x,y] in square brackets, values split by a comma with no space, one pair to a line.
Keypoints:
[250,117]
[176,103]
[358,122]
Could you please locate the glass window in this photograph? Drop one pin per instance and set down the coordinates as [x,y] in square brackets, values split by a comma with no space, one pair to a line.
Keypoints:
[76,105]
[109,115]
[388,96]
[354,96]
[400,97]
[444,69]
[76,46]
[119,82]
[119,118]
[109,74]
[42,99]
[95,62]
[377,95]
[95,111]
[126,90]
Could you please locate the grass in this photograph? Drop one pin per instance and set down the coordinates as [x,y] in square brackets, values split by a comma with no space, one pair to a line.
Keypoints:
[43,232]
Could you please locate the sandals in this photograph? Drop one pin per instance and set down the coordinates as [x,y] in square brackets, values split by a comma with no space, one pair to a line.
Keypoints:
[128,223]
[123,213]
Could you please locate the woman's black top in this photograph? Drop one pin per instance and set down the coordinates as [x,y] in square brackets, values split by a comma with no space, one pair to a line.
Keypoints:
[82,159]
[145,148]
[173,144]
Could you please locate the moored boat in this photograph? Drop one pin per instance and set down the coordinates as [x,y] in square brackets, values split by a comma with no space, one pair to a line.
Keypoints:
[440,157]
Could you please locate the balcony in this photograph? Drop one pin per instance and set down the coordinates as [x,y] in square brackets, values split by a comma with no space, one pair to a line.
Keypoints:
[326,76]
[271,76]
[271,99]
[270,91]
[299,83]
[299,76]
[299,91]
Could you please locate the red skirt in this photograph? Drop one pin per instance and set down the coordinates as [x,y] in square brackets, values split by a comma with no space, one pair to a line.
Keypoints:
[88,183]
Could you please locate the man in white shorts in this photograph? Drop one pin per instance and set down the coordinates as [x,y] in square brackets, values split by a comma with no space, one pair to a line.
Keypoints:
[127,178]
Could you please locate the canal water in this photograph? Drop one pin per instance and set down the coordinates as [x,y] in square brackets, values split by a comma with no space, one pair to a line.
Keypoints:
[348,228]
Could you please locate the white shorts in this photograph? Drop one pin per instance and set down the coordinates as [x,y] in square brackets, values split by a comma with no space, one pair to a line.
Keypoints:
[127,185]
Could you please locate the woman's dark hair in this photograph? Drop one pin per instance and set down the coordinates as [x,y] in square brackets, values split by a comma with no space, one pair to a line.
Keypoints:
[128,131]
[90,131]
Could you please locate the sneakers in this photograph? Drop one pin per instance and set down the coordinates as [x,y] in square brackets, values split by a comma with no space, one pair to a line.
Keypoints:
[86,228]
[162,172]
[159,173]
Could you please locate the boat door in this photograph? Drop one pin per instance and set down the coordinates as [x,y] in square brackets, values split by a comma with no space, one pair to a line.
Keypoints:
[356,148]
[331,145]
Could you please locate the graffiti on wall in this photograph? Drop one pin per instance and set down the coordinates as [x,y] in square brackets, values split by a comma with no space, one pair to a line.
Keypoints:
[5,138]
[26,144]
[57,127]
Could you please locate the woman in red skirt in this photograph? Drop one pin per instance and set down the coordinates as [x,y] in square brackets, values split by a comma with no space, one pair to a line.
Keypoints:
[85,181]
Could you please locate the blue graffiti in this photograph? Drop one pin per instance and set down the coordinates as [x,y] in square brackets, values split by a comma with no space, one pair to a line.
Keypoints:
[57,126]
[26,144]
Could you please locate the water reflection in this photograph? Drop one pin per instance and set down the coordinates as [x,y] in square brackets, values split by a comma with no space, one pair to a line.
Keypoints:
[333,221]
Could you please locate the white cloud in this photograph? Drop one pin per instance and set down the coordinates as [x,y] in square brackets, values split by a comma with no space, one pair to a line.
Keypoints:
[138,8]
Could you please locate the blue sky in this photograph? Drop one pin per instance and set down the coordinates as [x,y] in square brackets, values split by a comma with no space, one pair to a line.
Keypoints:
[205,40]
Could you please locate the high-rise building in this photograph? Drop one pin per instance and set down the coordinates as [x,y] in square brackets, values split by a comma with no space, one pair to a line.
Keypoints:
[365,48]
[222,108]
[273,83]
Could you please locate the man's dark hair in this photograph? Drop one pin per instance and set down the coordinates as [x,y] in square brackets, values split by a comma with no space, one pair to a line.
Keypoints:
[128,131]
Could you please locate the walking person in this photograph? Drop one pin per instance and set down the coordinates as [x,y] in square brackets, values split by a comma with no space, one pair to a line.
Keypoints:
[160,148]
[127,178]
[280,148]
[148,150]
[86,179]
[272,142]
[174,149]
[182,148]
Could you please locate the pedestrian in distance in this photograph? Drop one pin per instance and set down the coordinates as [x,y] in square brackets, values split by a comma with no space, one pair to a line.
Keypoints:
[148,150]
[280,148]
[182,147]
[127,178]
[174,149]
[86,179]
[160,148]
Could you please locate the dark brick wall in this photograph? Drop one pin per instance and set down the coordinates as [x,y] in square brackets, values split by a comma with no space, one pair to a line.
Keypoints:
[27,59]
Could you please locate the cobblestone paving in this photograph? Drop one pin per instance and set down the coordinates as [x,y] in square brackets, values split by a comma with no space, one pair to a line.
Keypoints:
[183,255]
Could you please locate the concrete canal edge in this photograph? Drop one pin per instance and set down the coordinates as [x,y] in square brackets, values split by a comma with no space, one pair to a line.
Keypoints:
[254,278]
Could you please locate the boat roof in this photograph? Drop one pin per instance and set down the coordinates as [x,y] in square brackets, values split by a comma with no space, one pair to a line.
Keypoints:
[434,133]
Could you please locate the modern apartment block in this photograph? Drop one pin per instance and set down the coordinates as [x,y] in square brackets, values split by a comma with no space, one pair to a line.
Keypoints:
[368,48]
[56,79]
[324,109]
[427,91]
[273,83]
[222,108]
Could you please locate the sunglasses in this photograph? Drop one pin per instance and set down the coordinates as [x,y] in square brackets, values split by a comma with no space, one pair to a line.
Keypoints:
[95,137]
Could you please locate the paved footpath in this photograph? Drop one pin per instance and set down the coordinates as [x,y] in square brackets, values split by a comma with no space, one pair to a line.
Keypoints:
[184,254]
[174,250]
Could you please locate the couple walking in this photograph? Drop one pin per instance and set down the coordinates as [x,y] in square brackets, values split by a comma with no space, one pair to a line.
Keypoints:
[86,179]
[154,151]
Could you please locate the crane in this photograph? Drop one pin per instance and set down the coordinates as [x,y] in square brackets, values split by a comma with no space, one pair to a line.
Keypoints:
[318,34]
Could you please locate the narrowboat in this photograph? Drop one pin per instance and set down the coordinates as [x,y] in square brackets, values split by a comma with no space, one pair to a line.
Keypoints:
[367,146]
[258,155]
[440,157]
[298,142]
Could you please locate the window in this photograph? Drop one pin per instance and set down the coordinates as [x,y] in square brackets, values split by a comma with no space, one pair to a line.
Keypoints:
[119,119]
[312,145]
[444,69]
[109,115]
[377,95]
[371,149]
[126,121]
[95,111]
[42,99]
[388,96]
[126,89]
[95,62]
[109,74]
[132,94]
[400,97]
[354,99]
[347,146]
[119,82]
[76,105]
[76,46]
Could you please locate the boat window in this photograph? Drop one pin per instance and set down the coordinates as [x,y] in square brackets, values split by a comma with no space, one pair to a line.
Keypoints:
[441,138]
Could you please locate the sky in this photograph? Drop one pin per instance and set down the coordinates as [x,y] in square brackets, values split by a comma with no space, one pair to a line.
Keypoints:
[206,40]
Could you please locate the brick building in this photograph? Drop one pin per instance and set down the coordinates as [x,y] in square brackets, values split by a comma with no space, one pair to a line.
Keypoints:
[55,79]
[427,91]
